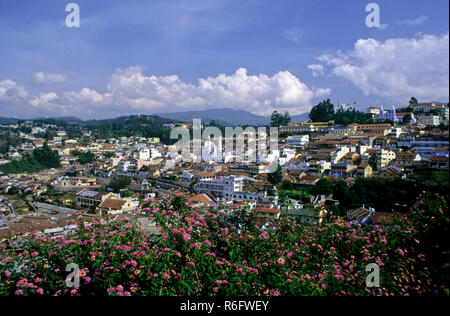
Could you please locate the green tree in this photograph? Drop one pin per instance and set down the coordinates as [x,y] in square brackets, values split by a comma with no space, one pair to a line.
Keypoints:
[277,119]
[407,118]
[276,177]
[341,193]
[84,158]
[323,186]
[413,100]
[118,184]
[322,112]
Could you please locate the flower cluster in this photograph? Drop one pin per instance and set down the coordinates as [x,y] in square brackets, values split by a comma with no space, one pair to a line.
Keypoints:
[227,253]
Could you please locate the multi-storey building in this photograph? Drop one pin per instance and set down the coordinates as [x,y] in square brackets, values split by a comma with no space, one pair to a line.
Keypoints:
[223,187]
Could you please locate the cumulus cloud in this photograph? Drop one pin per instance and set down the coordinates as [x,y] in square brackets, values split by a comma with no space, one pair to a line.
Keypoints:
[130,91]
[256,93]
[317,69]
[11,92]
[43,99]
[46,78]
[396,68]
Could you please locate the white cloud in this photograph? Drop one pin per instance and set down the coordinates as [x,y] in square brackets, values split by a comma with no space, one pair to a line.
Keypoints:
[130,91]
[11,92]
[46,78]
[44,99]
[413,22]
[396,68]
[317,69]
[256,93]
[322,92]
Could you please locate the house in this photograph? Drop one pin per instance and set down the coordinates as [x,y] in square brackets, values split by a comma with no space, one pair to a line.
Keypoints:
[361,215]
[92,199]
[384,157]
[318,168]
[268,212]
[203,200]
[341,170]
[438,162]
[408,159]
[305,214]
[389,174]
[364,171]
[116,206]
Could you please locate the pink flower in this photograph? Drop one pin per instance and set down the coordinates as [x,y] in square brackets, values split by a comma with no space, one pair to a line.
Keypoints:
[40,291]
[276,293]
[281,261]
[19,292]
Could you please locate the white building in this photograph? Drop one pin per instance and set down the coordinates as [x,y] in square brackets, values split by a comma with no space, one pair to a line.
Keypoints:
[298,140]
[223,187]
[431,120]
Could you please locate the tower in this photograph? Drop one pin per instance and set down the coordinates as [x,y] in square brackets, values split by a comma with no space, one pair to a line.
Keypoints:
[393,114]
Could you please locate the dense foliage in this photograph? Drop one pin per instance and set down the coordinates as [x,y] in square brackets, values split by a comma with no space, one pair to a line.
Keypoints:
[118,184]
[84,157]
[325,111]
[383,195]
[39,159]
[225,253]
[135,125]
[277,119]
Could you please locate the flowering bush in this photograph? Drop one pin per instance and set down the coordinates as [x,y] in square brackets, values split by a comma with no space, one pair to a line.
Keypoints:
[226,253]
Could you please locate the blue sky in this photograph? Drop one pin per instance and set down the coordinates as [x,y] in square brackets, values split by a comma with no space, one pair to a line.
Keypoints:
[143,57]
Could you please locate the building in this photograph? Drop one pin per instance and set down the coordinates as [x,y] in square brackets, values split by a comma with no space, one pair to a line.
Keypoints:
[318,168]
[341,170]
[373,110]
[361,215]
[268,212]
[294,127]
[116,206]
[438,162]
[391,115]
[298,140]
[408,159]
[92,199]
[305,214]
[430,120]
[364,171]
[203,200]
[222,188]
[384,157]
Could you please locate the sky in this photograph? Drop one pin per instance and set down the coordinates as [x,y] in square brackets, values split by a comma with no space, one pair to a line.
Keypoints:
[157,56]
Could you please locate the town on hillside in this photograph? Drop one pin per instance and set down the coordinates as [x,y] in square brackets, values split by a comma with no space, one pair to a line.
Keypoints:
[360,166]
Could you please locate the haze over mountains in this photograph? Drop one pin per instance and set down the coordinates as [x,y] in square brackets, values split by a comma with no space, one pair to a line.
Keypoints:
[226,117]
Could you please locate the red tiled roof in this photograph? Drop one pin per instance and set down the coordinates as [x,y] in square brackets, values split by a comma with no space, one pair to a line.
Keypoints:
[112,204]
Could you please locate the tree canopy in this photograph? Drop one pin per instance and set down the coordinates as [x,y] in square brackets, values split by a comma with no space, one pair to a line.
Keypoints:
[277,119]
[322,112]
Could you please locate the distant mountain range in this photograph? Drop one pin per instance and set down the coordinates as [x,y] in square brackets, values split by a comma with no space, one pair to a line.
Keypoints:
[225,117]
